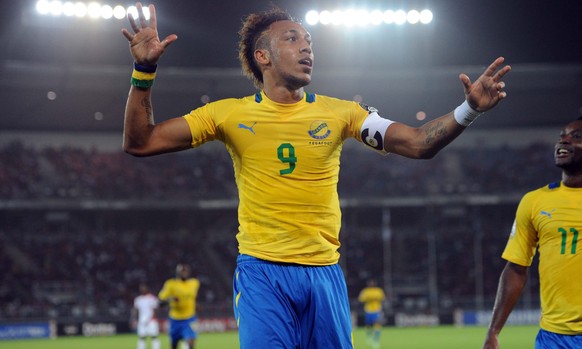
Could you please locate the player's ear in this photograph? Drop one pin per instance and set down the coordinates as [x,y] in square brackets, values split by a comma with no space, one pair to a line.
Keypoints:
[262,56]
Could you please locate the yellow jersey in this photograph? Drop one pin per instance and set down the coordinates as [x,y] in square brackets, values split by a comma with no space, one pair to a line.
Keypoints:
[372,297]
[286,161]
[181,295]
[549,220]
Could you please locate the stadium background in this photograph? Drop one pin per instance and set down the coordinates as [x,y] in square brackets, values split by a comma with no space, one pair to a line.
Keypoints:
[81,223]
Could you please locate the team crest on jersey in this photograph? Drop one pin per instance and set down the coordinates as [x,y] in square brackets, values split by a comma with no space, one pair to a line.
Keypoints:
[368,108]
[319,130]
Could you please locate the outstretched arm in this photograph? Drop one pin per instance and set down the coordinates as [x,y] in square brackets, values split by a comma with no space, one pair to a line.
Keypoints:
[141,135]
[427,140]
[511,284]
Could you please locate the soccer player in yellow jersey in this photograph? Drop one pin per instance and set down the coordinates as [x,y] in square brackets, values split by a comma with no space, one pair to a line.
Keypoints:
[372,297]
[180,293]
[285,143]
[549,221]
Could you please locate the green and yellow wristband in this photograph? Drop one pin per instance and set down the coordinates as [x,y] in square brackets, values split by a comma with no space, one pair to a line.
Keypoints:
[143,75]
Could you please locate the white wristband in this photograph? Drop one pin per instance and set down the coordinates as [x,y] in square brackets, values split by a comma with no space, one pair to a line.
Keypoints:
[465,115]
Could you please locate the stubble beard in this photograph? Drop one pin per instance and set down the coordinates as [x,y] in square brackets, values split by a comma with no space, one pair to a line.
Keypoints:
[571,165]
[295,83]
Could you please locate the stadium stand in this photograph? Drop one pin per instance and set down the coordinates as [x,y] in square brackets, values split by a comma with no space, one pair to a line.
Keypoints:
[81,227]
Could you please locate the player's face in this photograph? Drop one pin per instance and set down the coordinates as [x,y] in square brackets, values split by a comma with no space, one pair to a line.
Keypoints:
[568,149]
[182,271]
[291,53]
[143,289]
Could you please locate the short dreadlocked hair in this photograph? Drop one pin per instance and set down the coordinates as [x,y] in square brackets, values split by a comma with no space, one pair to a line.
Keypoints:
[252,38]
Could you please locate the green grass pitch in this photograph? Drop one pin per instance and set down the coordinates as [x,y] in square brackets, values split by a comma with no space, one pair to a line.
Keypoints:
[443,337]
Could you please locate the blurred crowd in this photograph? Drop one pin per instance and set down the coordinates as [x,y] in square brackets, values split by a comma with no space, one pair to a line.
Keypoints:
[73,268]
[75,173]
[59,263]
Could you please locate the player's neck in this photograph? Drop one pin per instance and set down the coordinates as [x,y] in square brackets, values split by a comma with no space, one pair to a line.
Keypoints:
[281,94]
[572,180]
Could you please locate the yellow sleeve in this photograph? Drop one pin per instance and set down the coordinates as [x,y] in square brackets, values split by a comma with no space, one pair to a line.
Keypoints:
[523,239]
[202,125]
[165,292]
[358,114]
[362,296]
[207,122]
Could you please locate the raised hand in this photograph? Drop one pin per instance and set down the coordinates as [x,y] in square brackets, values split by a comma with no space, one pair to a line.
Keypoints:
[145,45]
[487,90]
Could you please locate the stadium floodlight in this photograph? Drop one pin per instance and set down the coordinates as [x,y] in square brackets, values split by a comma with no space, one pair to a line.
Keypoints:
[337,17]
[349,18]
[413,17]
[119,12]
[80,9]
[400,17]
[55,8]
[425,16]
[312,17]
[325,17]
[389,16]
[69,9]
[42,7]
[361,17]
[93,10]
[106,11]
[376,17]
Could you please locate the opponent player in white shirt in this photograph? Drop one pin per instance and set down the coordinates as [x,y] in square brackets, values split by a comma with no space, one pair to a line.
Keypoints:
[144,318]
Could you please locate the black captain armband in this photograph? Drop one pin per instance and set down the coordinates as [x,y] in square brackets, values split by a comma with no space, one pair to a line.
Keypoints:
[373,131]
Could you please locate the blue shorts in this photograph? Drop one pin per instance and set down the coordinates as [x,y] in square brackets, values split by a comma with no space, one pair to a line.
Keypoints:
[279,305]
[372,318]
[182,329]
[550,340]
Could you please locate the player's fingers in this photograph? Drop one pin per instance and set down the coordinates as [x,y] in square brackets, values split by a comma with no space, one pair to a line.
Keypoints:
[127,34]
[134,26]
[153,22]
[465,81]
[501,73]
[490,71]
[500,92]
[141,15]
[168,40]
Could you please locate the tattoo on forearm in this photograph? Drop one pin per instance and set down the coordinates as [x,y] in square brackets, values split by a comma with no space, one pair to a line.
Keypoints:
[147,104]
[435,132]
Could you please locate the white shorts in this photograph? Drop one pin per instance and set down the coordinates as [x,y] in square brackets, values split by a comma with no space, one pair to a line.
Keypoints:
[150,328]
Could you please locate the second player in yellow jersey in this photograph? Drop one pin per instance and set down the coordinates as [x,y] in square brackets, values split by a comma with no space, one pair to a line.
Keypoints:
[548,221]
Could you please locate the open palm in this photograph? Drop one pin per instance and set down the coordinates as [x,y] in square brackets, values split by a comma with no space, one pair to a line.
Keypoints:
[145,45]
